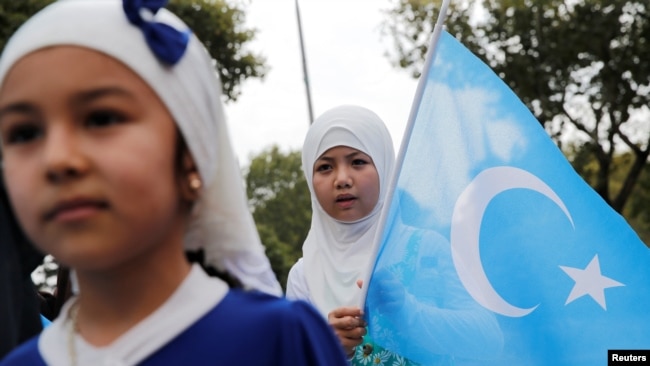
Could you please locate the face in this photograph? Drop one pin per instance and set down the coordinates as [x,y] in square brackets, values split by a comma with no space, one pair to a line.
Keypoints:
[88,156]
[346,183]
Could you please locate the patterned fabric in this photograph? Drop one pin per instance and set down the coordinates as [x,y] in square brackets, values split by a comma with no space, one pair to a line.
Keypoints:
[372,354]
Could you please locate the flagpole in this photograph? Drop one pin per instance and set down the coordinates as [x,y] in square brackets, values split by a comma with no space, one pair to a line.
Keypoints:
[419,92]
[304,65]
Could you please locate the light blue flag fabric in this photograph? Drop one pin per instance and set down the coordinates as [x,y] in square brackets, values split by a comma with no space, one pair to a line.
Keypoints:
[494,251]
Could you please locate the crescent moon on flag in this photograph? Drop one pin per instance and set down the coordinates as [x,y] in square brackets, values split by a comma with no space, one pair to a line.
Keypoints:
[466,226]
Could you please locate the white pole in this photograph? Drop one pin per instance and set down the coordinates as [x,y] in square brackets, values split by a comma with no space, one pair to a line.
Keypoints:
[304,65]
[437,30]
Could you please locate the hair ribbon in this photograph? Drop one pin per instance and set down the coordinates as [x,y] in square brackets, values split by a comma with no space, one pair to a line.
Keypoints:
[165,41]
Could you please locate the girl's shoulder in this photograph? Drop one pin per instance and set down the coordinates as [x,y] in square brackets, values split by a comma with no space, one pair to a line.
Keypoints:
[250,327]
[255,306]
[25,354]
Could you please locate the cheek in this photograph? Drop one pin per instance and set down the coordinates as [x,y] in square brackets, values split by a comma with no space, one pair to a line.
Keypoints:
[372,187]
[147,182]
[142,159]
[320,190]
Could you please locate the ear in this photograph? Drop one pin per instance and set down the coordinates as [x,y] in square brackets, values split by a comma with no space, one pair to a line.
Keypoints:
[189,179]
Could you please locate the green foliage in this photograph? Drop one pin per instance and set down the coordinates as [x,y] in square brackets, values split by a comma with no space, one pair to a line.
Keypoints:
[14,13]
[636,211]
[219,25]
[580,66]
[281,205]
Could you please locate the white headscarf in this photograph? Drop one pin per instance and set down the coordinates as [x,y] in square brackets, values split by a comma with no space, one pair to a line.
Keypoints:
[336,253]
[221,224]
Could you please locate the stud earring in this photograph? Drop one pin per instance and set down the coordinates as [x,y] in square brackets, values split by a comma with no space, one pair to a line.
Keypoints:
[195,181]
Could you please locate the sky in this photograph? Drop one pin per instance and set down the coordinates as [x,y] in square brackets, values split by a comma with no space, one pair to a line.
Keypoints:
[344,50]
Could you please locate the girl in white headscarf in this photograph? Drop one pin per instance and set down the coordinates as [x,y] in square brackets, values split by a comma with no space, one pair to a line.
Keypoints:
[117,160]
[347,159]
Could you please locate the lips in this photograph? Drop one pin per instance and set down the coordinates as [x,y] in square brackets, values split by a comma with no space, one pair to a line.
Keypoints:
[73,209]
[345,201]
[345,198]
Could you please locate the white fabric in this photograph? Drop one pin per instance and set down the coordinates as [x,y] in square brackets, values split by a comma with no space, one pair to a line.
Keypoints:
[196,296]
[297,288]
[222,224]
[336,253]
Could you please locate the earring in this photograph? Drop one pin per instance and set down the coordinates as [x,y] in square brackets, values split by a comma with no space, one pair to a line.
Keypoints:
[195,181]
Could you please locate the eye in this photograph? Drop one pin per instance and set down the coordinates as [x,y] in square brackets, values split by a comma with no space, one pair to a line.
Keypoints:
[104,118]
[359,162]
[323,167]
[23,133]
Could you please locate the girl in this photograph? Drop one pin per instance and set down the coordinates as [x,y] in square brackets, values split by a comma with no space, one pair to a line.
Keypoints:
[116,159]
[347,158]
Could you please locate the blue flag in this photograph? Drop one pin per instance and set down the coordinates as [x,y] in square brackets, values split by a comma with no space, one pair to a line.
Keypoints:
[494,251]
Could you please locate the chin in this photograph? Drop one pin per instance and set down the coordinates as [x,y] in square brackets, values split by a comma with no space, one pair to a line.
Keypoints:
[89,259]
[349,218]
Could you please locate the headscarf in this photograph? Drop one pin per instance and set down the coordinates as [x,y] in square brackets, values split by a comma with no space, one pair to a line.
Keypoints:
[336,253]
[188,85]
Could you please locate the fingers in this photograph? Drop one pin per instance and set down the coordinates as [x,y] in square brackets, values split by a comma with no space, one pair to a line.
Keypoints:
[347,323]
[353,311]
[346,318]
[360,283]
[350,338]
[349,326]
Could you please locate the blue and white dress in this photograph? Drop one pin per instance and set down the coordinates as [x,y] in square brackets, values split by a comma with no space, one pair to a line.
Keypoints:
[202,323]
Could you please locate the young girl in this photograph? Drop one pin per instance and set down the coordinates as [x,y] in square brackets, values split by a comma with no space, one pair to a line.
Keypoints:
[117,160]
[347,159]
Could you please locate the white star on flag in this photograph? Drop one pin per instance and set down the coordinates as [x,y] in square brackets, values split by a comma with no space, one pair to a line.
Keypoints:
[589,281]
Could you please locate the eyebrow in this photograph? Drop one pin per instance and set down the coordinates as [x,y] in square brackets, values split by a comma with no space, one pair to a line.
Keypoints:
[90,95]
[18,107]
[80,98]
[348,156]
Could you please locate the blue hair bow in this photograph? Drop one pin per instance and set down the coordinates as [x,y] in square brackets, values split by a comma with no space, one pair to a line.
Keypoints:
[166,42]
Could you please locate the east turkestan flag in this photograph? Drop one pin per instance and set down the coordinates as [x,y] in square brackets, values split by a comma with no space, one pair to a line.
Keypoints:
[494,250]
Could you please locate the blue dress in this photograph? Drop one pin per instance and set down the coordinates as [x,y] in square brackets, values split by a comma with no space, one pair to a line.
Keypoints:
[245,328]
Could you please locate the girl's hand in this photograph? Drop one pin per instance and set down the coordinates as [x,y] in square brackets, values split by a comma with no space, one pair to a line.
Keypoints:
[349,327]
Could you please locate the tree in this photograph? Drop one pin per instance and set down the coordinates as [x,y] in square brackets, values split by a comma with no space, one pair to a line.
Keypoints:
[580,66]
[14,13]
[636,211]
[281,205]
[218,23]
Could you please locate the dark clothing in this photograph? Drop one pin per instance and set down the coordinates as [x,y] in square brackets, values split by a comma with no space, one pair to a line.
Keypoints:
[19,303]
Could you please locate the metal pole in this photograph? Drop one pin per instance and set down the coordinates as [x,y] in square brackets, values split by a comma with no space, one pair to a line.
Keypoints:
[304,66]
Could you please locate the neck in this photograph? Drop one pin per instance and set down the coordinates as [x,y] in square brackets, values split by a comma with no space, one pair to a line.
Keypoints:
[113,301]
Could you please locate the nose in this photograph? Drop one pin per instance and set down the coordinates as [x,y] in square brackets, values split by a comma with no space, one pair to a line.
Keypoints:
[343,179]
[63,156]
